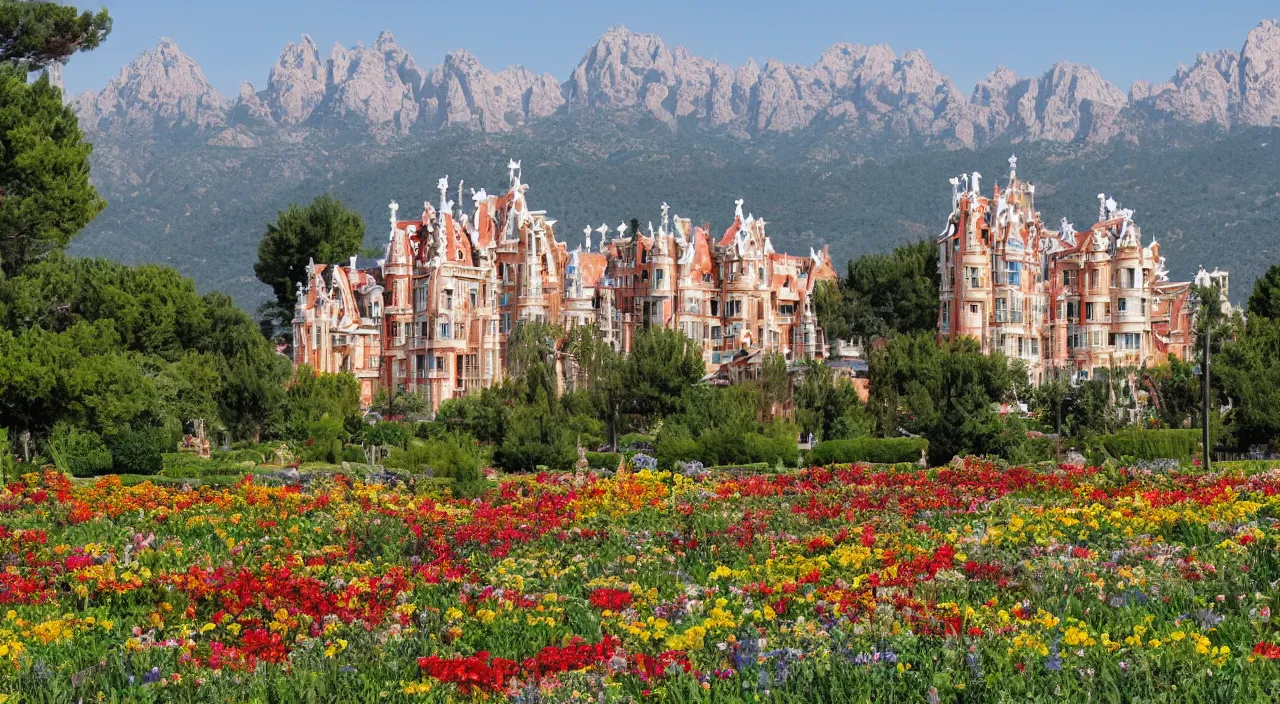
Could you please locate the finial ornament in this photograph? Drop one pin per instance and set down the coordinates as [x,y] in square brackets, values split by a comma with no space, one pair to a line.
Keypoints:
[737,212]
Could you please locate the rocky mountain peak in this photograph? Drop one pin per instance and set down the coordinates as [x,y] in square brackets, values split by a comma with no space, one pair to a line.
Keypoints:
[1259,76]
[626,75]
[161,88]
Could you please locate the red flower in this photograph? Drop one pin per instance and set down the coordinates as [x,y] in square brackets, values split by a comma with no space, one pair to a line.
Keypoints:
[611,599]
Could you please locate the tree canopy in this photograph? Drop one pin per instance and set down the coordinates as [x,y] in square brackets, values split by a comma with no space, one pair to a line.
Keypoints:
[45,194]
[324,231]
[883,294]
[35,33]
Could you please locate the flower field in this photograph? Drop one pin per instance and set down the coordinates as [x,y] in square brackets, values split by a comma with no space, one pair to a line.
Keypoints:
[961,584]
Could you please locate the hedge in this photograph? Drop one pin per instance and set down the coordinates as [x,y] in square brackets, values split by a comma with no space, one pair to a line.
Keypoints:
[876,450]
[604,460]
[1177,444]
[139,451]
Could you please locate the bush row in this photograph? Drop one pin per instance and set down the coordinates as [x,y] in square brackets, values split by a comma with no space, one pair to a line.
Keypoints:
[1176,444]
[876,450]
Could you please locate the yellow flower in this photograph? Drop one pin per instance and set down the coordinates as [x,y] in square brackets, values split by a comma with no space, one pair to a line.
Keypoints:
[1177,636]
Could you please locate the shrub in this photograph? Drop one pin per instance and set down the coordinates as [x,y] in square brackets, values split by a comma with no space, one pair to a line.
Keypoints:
[388,434]
[189,466]
[604,460]
[240,456]
[80,453]
[1177,444]
[452,456]
[353,453]
[139,451]
[876,450]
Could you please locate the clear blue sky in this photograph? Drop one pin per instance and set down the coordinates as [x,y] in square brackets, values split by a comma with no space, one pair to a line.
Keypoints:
[238,40]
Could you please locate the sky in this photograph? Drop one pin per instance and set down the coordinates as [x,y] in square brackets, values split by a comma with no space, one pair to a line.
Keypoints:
[239,40]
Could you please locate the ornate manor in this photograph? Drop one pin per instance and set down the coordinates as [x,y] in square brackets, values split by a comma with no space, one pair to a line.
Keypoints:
[1062,301]
[434,315]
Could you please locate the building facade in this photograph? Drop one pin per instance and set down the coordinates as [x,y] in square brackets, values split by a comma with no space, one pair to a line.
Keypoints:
[434,316]
[1062,301]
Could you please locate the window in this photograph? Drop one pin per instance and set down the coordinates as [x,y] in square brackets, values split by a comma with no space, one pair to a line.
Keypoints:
[658,277]
[1122,305]
[1088,311]
[945,321]
[473,293]
[973,308]
[505,327]
[424,330]
[1002,310]
[715,307]
[1035,346]
[448,299]
[1093,279]
[444,331]
[1130,278]
[1073,309]
[1142,307]
[760,273]
[786,309]
[440,362]
[1015,273]
[715,332]
[733,309]
[975,279]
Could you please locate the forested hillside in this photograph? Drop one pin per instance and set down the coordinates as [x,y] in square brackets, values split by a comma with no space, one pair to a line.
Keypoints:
[1210,199]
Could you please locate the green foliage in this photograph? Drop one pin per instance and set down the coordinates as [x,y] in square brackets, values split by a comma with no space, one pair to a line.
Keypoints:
[662,365]
[398,405]
[482,416]
[876,450]
[312,396]
[676,444]
[604,460]
[884,294]
[353,453]
[386,433]
[80,453]
[319,444]
[1152,444]
[8,466]
[1264,301]
[1247,373]
[35,34]
[452,456]
[949,393]
[188,465]
[44,172]
[829,408]
[324,232]
[139,451]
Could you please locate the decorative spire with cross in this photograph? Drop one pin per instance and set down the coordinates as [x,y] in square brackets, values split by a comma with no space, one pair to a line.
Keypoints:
[587,231]
[1013,167]
[665,227]
[737,210]
[395,207]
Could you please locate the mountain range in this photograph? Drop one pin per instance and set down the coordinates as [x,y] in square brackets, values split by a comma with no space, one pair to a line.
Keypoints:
[193,176]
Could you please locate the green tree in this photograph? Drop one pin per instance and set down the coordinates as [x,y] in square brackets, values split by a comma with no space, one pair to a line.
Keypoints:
[948,393]
[1247,374]
[325,232]
[36,33]
[661,365]
[775,381]
[885,293]
[45,194]
[1264,301]
[399,404]
[311,396]
[829,407]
